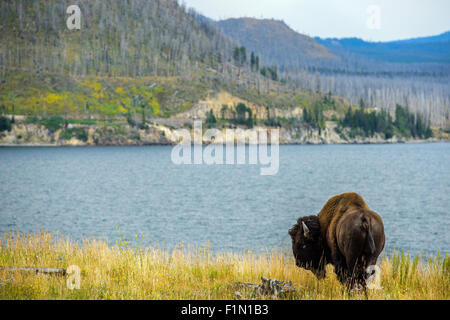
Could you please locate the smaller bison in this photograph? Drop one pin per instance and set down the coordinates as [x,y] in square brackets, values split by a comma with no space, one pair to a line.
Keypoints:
[346,233]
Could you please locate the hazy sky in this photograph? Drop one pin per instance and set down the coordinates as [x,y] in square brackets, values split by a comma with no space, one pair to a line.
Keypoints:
[397,19]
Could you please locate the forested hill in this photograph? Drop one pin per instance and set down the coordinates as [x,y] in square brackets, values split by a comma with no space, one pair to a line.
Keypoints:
[117,38]
[131,60]
[137,69]
[412,72]
[276,41]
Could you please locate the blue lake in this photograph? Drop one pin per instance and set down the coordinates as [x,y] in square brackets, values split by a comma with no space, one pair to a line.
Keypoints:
[91,191]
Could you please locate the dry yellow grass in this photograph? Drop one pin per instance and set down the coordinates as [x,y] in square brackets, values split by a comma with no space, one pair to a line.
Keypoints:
[120,272]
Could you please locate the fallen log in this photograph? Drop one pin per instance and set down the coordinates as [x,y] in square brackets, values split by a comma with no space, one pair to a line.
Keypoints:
[55,271]
[274,287]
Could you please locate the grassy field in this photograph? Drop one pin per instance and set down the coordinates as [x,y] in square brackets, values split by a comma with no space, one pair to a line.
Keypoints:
[121,272]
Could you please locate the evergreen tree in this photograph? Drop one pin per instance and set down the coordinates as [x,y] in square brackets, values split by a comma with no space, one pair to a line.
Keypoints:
[5,124]
[210,119]
[252,62]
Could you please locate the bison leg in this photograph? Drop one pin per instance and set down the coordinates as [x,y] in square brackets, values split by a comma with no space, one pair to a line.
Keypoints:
[341,269]
[349,271]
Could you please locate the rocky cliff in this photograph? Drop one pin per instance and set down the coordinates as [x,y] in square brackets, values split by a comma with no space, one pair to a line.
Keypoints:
[165,134]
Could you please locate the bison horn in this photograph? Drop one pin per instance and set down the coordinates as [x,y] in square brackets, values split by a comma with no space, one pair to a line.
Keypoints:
[305,230]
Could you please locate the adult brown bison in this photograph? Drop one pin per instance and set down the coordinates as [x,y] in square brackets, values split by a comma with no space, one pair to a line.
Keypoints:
[346,233]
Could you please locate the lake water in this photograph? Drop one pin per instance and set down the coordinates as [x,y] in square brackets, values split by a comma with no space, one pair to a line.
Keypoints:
[91,191]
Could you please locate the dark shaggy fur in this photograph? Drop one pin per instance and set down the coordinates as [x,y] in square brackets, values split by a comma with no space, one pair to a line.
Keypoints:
[308,250]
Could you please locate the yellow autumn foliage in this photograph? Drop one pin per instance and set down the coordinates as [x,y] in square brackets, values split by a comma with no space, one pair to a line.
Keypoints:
[120,91]
[53,98]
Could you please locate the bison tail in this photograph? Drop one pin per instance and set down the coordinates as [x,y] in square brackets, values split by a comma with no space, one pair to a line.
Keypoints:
[365,226]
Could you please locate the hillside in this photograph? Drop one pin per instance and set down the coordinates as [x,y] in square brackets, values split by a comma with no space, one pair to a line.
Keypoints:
[117,38]
[275,41]
[412,72]
[146,58]
[137,70]
[125,56]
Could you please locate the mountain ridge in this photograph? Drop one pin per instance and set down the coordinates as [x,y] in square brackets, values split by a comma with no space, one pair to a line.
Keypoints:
[275,41]
[430,49]
[443,36]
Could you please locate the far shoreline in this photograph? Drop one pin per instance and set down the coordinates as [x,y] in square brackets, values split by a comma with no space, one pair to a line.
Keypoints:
[19,145]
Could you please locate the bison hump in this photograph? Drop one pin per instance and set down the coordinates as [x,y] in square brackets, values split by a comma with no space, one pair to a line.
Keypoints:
[337,206]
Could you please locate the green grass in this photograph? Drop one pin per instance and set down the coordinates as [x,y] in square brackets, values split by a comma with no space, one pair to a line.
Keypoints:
[121,272]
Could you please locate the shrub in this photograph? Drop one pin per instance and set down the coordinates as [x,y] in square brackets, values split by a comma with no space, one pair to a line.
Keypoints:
[81,135]
[5,124]
[78,133]
[54,123]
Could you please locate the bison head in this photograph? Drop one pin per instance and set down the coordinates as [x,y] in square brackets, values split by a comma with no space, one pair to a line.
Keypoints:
[307,245]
